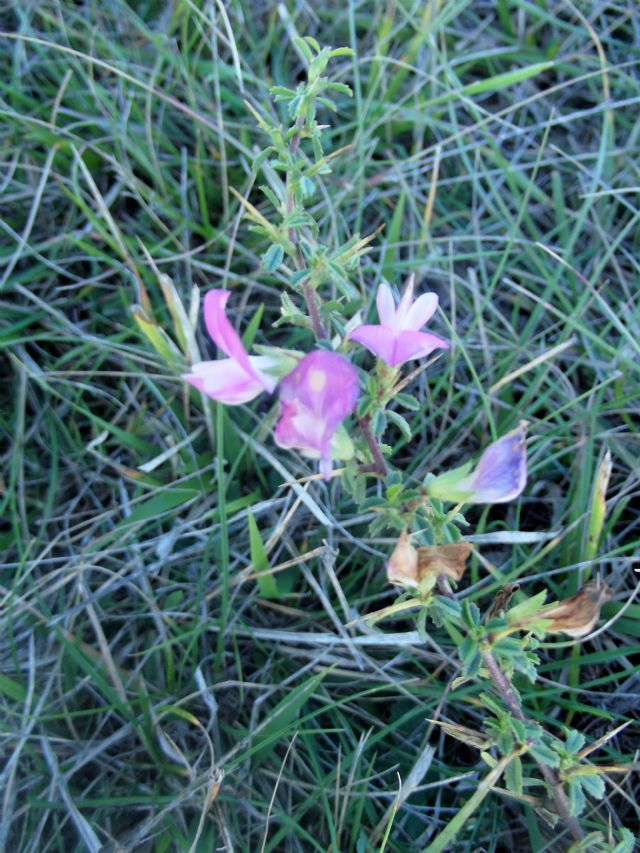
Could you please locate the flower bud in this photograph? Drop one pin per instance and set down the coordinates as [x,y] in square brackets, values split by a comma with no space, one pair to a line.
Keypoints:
[499,476]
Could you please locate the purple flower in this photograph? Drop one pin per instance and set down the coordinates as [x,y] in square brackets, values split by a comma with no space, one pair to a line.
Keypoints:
[315,398]
[232,380]
[398,337]
[499,476]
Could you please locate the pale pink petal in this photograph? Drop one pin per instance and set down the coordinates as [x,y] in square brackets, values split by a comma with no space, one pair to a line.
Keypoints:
[377,339]
[386,305]
[405,305]
[298,427]
[260,364]
[221,330]
[225,380]
[316,396]
[420,312]
[408,345]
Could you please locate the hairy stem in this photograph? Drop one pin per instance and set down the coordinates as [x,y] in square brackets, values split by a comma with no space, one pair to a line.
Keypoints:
[512,703]
[309,295]
[378,459]
[314,314]
[558,795]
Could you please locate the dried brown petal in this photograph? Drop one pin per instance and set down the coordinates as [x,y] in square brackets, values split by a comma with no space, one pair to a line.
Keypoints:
[449,560]
[402,568]
[577,616]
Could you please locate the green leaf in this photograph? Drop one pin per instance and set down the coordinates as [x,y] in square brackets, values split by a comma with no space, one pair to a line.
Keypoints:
[282,717]
[267,583]
[307,187]
[303,47]
[342,51]
[627,844]
[314,44]
[13,689]
[509,78]
[574,740]
[542,752]
[251,330]
[273,198]
[342,88]
[273,257]
[401,423]
[470,614]
[282,92]
[593,785]
[156,336]
[526,608]
[407,401]
[328,104]
[394,237]
[470,657]
[518,728]
[577,799]
[513,776]
[598,506]
[261,157]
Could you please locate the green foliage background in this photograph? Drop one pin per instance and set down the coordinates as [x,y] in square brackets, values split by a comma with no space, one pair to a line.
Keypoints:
[497,143]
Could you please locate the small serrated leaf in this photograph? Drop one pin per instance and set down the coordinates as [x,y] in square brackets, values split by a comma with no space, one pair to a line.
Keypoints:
[407,401]
[574,740]
[342,88]
[593,785]
[282,91]
[272,258]
[577,799]
[303,47]
[307,187]
[542,752]
[273,198]
[401,423]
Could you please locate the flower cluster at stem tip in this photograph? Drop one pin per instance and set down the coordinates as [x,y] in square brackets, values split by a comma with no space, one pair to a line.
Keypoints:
[319,390]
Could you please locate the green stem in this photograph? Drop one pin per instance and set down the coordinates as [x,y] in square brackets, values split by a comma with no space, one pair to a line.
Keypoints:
[309,295]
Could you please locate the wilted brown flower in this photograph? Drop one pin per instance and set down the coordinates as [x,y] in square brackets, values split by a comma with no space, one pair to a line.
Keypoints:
[577,616]
[449,560]
[402,568]
[409,566]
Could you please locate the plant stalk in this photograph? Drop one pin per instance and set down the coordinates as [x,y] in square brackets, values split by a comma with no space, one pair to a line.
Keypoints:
[503,686]
[379,461]
[307,290]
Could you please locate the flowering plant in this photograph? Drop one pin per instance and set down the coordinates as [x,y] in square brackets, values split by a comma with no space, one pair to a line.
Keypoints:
[331,405]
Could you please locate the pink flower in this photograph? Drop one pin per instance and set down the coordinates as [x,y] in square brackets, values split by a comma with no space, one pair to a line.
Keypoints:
[499,476]
[397,338]
[315,398]
[232,380]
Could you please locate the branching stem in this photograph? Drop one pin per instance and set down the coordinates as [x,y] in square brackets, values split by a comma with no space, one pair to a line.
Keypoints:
[309,295]
[512,703]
